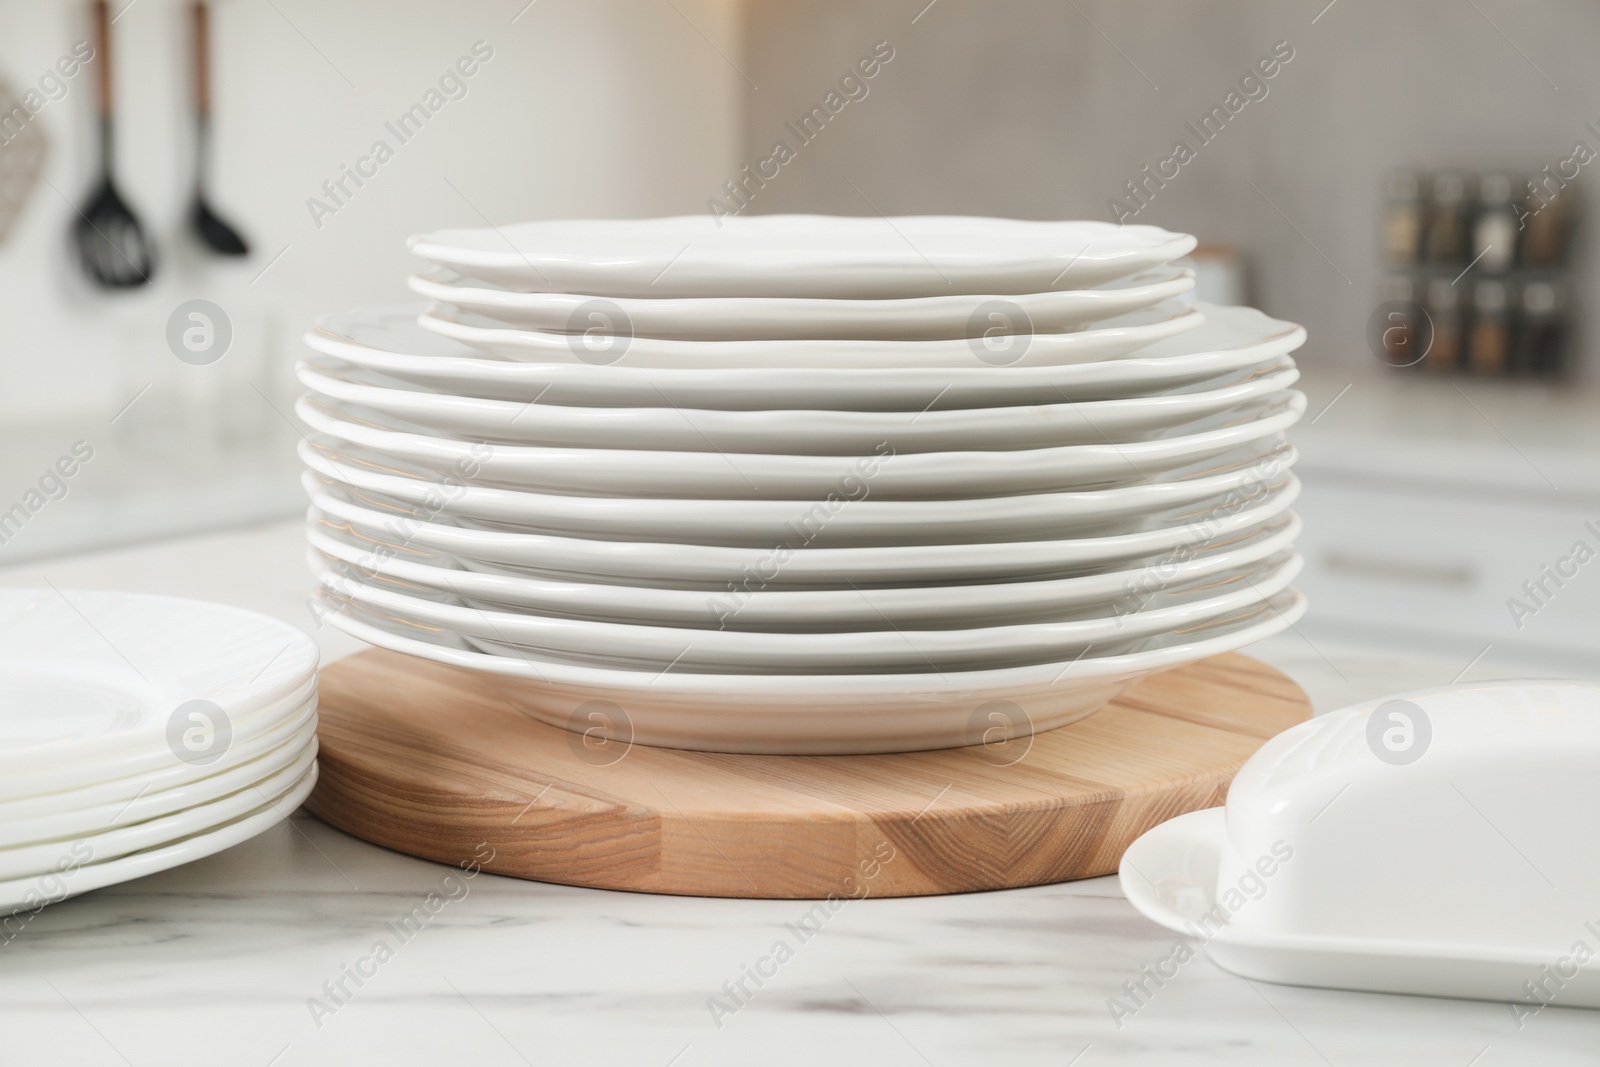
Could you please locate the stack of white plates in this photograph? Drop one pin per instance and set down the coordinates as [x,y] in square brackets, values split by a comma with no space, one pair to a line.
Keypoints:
[805,484]
[141,732]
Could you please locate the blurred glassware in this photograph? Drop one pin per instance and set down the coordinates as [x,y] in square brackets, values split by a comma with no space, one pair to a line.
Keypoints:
[247,403]
[1478,224]
[1401,338]
[147,416]
[1220,275]
[1494,232]
[1403,218]
[189,410]
[1539,343]
[1491,328]
[1549,225]
[1444,309]
[1447,219]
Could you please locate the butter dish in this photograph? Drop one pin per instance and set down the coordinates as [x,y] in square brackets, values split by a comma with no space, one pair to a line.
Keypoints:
[1442,843]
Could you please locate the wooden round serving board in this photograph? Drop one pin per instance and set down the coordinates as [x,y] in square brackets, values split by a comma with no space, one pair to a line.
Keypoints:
[426,759]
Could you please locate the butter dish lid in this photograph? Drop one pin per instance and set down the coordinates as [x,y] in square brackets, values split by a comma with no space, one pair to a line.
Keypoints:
[1440,842]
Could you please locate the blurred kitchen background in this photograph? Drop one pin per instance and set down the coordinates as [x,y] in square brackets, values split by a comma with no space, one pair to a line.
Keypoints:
[1449,455]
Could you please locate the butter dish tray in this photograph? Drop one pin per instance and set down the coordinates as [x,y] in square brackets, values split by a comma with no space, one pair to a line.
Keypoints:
[1436,843]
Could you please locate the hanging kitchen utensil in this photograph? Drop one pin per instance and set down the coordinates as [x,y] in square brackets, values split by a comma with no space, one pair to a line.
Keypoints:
[111,245]
[22,154]
[213,232]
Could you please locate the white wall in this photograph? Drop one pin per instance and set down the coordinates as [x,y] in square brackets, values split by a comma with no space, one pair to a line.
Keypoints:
[588,107]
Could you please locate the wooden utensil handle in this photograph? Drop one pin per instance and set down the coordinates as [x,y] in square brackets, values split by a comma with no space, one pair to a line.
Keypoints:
[202,57]
[101,17]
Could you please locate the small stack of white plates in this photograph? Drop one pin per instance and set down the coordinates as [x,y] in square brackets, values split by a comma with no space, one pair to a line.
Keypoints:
[141,732]
[804,484]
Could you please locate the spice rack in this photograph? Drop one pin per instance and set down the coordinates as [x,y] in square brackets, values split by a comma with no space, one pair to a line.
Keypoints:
[1478,265]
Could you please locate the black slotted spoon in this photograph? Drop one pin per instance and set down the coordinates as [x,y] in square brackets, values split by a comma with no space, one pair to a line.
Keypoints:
[111,245]
[213,232]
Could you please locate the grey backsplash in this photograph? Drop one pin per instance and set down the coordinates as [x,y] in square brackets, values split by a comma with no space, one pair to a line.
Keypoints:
[1045,108]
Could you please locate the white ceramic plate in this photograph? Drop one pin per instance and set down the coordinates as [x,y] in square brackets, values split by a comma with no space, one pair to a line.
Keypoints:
[818,714]
[26,861]
[64,790]
[34,893]
[87,821]
[389,403]
[882,475]
[758,607]
[1171,538]
[389,340]
[845,516]
[776,317]
[719,568]
[801,255]
[631,646]
[94,678]
[994,344]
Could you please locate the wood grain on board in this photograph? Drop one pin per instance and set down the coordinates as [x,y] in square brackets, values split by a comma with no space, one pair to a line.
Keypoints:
[427,759]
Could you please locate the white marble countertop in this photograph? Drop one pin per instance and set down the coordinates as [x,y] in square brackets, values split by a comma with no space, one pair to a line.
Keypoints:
[218,962]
